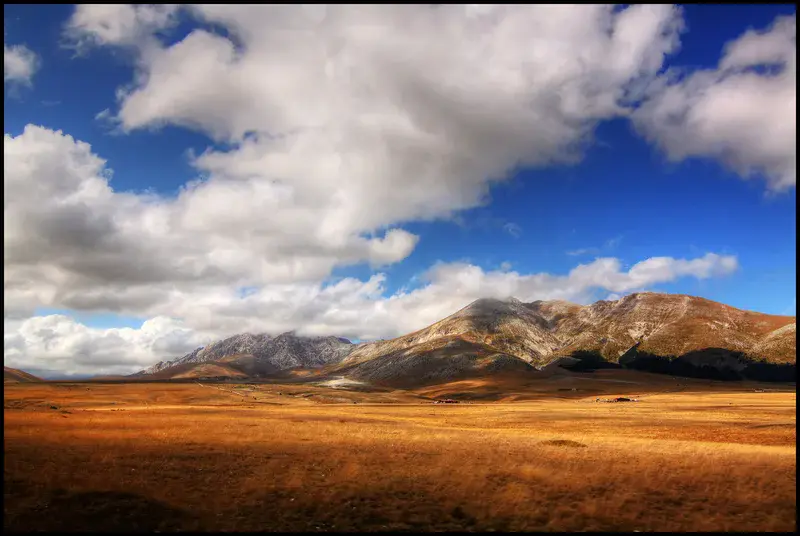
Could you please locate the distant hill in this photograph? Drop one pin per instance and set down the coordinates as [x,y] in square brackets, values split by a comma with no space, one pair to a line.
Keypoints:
[666,333]
[250,355]
[12,375]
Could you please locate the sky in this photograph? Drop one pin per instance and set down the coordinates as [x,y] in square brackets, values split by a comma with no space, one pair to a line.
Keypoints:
[177,174]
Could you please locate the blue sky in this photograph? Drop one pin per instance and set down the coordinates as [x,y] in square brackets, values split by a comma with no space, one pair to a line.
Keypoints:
[623,198]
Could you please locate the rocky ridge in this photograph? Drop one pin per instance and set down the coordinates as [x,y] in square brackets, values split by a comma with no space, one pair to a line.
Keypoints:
[264,354]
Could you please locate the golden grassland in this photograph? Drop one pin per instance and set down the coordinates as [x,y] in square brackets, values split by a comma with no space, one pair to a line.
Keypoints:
[204,456]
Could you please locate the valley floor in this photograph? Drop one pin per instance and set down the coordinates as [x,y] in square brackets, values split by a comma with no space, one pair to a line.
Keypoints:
[690,455]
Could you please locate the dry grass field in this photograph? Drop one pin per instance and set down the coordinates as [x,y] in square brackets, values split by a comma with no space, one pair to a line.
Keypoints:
[701,455]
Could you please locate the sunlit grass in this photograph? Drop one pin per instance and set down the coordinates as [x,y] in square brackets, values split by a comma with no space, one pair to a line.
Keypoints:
[208,459]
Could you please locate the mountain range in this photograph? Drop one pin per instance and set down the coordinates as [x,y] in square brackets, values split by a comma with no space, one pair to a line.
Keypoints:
[667,333]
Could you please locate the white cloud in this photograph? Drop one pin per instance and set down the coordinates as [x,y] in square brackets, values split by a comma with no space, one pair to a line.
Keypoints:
[376,115]
[19,64]
[58,343]
[744,113]
[119,24]
[350,307]
[71,241]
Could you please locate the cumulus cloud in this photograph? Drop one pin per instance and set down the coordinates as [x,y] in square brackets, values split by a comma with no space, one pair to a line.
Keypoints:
[369,116]
[19,64]
[72,241]
[350,307]
[743,113]
[58,343]
[119,24]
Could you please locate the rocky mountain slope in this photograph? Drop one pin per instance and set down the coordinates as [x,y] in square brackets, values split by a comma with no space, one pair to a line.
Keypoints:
[12,375]
[508,326]
[673,334]
[253,355]
[487,335]
[666,325]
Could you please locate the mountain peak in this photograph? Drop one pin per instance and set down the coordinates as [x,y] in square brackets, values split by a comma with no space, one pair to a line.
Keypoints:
[493,304]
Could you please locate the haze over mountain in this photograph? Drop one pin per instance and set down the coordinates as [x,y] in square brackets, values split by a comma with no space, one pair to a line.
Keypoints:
[675,334]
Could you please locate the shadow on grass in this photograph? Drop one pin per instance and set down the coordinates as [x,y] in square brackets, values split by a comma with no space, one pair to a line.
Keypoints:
[104,511]
[371,510]
[708,363]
